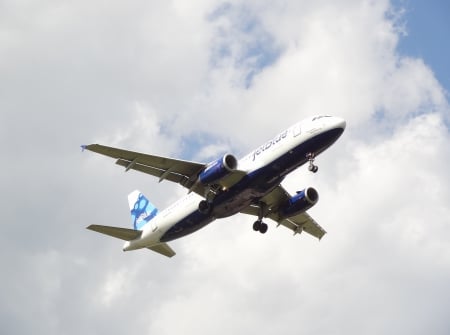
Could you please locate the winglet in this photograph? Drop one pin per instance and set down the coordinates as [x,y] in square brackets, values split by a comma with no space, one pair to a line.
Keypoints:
[83,147]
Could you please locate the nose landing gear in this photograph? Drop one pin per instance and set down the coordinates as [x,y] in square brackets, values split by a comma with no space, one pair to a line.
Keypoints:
[313,168]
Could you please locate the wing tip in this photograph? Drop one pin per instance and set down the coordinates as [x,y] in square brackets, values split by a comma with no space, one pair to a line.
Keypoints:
[87,147]
[90,147]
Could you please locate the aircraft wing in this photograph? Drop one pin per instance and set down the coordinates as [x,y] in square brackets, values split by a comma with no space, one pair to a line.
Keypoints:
[181,172]
[297,223]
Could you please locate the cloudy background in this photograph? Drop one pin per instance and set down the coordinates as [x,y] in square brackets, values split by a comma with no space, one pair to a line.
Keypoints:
[194,79]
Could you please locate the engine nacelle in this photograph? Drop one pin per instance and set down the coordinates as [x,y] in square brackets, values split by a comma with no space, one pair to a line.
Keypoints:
[218,169]
[300,202]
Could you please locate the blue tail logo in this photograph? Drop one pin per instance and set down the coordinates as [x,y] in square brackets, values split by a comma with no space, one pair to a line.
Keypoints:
[142,210]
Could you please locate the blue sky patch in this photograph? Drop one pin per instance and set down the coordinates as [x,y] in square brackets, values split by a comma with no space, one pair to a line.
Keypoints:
[427,28]
[241,41]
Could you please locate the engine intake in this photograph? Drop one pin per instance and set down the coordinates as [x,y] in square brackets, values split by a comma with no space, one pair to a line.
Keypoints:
[218,169]
[300,202]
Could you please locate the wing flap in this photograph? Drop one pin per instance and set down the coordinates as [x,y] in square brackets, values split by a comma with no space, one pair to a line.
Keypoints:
[160,173]
[117,232]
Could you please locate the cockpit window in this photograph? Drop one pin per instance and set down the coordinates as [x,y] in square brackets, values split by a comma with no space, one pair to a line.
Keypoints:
[320,117]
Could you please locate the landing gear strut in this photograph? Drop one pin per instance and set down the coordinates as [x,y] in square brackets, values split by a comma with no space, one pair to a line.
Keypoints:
[313,168]
[206,206]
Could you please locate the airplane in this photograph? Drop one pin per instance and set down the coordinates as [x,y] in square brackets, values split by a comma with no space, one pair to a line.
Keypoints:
[226,186]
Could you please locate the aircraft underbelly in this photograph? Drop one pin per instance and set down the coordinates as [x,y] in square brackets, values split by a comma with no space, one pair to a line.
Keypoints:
[235,204]
[226,204]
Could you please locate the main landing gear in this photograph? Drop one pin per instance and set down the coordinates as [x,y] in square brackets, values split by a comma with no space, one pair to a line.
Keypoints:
[313,168]
[206,206]
[259,225]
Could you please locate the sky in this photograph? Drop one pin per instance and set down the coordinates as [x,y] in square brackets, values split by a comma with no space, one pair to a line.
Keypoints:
[194,80]
[425,35]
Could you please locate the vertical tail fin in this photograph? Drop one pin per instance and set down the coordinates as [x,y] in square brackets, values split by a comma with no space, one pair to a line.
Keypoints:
[142,210]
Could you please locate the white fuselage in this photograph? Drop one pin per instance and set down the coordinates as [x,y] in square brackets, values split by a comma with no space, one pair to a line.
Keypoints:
[271,161]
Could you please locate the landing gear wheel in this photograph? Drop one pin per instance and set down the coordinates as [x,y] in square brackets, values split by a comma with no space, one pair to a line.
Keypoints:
[257,225]
[263,228]
[260,226]
[313,168]
[205,207]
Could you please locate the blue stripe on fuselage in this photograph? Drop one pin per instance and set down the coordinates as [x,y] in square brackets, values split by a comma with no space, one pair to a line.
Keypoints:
[254,186]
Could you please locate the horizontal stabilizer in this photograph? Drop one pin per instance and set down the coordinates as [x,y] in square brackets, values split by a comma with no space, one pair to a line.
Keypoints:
[163,249]
[122,233]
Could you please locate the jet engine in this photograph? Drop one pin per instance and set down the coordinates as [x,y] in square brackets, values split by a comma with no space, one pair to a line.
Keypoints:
[218,169]
[300,202]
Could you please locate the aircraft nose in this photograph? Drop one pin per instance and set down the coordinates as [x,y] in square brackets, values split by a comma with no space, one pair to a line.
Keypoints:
[340,123]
